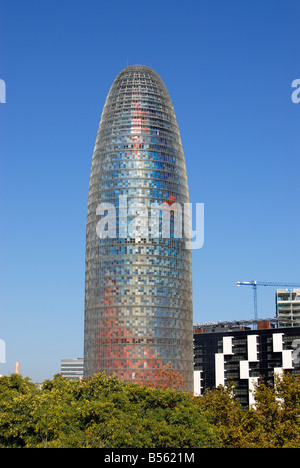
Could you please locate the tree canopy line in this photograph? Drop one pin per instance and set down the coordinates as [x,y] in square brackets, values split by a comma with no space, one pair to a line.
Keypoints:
[105,412]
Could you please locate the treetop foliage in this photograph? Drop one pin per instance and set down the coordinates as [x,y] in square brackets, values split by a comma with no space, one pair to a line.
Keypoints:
[106,412]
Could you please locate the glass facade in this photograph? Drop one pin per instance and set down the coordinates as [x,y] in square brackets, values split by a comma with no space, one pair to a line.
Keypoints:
[138,291]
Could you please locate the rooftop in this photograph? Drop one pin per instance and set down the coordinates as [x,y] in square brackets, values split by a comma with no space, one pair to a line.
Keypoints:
[259,324]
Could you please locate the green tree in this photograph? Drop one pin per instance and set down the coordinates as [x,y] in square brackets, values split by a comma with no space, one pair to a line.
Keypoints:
[16,395]
[107,412]
[275,421]
[225,413]
[99,412]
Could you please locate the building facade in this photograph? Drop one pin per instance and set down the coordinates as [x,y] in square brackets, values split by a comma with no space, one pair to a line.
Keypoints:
[138,287]
[72,368]
[239,353]
[288,306]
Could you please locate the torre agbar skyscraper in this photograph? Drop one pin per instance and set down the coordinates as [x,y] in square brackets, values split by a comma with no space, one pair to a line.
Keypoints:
[138,287]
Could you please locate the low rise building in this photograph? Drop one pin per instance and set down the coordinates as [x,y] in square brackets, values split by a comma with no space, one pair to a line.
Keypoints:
[243,352]
[72,368]
[288,306]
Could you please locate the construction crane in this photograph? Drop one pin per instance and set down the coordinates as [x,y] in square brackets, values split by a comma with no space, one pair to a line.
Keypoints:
[254,284]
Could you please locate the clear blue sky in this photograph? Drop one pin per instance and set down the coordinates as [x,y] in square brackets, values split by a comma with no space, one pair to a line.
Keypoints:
[228,66]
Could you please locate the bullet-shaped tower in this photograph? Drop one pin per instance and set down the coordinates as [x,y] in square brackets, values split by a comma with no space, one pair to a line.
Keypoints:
[138,284]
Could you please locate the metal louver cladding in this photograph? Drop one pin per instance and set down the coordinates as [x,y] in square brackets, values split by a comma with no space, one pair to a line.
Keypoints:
[138,288]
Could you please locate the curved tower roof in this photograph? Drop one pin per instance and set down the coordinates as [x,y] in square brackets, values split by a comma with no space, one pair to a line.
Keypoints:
[138,286]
